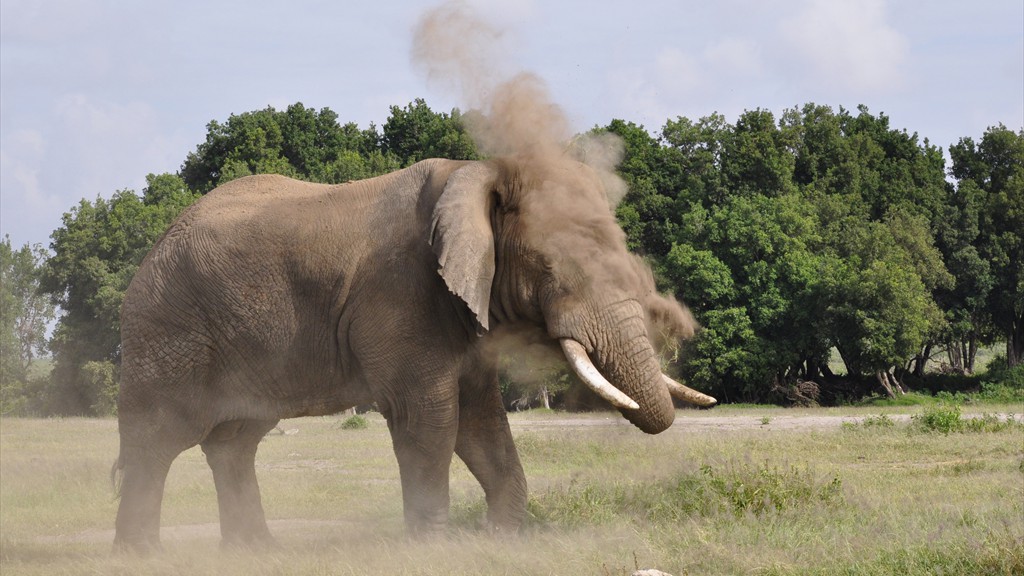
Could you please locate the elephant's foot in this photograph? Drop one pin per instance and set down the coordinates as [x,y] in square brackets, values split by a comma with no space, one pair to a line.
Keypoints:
[426,530]
[141,546]
[263,542]
[257,537]
[503,527]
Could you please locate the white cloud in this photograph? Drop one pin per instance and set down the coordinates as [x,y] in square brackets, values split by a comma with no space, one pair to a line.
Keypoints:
[106,136]
[734,57]
[848,45]
[25,205]
[679,82]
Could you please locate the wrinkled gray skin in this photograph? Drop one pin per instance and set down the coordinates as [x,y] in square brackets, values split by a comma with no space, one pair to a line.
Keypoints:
[272,298]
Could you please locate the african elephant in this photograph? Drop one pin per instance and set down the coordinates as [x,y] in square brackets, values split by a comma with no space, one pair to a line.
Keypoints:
[272,298]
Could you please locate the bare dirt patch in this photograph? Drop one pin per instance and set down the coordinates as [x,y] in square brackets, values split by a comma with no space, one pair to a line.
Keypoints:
[701,421]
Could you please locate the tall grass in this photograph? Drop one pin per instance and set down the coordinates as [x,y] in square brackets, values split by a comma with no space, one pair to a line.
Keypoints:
[604,499]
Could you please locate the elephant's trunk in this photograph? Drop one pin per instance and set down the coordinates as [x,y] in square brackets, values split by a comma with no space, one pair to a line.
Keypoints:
[623,355]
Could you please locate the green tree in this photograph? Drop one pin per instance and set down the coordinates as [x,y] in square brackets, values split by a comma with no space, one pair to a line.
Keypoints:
[416,133]
[24,315]
[95,254]
[299,142]
[783,227]
[990,182]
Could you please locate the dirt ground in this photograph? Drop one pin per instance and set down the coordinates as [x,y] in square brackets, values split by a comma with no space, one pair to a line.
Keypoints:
[707,421]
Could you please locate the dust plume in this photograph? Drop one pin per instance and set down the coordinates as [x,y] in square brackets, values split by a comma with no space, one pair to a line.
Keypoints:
[509,113]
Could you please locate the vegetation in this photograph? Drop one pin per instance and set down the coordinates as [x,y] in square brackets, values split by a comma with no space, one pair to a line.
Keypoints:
[24,313]
[354,422]
[790,238]
[717,494]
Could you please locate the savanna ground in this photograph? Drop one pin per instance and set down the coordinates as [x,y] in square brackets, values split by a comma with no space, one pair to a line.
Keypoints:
[752,490]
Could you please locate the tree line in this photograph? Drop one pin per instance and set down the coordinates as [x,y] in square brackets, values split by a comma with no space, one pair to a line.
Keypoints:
[789,237]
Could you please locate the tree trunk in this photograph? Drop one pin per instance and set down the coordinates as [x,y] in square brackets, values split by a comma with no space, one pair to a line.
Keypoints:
[889,383]
[545,398]
[921,360]
[882,378]
[896,383]
[1015,343]
[972,352]
[953,352]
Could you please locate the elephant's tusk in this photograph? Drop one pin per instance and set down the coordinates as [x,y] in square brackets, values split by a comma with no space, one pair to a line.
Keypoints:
[585,369]
[687,394]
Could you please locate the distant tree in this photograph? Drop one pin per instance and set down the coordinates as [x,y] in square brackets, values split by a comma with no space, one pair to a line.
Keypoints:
[298,142]
[990,187]
[777,233]
[416,132]
[24,315]
[95,254]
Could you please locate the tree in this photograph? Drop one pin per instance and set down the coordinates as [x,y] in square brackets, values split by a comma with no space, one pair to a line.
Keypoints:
[416,133]
[24,315]
[298,142]
[990,181]
[95,254]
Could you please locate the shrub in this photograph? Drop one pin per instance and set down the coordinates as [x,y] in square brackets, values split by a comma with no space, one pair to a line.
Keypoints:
[880,421]
[999,373]
[943,417]
[1000,392]
[990,423]
[355,422]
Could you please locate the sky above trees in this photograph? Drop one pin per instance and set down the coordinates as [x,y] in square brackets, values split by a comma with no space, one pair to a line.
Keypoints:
[96,95]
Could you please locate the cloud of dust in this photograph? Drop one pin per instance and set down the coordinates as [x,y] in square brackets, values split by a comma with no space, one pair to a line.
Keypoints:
[509,114]
[512,114]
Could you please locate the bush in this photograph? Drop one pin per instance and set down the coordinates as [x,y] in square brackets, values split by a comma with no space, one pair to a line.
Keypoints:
[355,422]
[944,418]
[999,373]
[880,421]
[1000,392]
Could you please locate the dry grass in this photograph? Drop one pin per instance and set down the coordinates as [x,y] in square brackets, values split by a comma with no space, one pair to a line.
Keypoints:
[605,498]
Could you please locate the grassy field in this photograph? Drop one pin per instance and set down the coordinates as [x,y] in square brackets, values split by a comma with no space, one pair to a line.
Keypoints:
[731,491]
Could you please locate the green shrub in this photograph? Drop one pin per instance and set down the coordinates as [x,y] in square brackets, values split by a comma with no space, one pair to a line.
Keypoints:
[990,423]
[999,373]
[943,417]
[355,422]
[1000,392]
[880,421]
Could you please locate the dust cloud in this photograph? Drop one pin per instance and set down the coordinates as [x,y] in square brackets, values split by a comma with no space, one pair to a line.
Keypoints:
[510,113]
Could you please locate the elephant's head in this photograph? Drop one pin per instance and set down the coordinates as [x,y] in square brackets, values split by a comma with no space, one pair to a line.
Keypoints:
[524,240]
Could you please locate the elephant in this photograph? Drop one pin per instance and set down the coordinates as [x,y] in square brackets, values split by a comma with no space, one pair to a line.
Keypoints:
[273,298]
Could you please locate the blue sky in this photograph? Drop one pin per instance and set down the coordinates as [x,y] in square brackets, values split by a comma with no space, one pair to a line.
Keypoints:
[95,94]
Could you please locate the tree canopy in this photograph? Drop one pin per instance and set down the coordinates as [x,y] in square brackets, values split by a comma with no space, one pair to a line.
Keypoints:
[790,237]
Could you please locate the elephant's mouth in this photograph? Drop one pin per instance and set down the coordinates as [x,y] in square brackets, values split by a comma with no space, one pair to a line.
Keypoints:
[581,364]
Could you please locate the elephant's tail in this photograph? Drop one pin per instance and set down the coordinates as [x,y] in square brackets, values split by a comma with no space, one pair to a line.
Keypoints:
[116,475]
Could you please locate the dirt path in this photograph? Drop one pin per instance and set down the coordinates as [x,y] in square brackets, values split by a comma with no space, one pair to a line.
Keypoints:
[701,422]
[710,421]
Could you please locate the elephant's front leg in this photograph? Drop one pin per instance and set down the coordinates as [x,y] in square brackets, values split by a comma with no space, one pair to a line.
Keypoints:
[485,444]
[423,429]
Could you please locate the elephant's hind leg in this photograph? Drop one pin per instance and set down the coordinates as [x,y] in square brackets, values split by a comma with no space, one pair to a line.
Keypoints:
[230,450]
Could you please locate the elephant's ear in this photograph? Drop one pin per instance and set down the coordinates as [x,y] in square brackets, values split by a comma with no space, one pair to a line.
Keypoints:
[463,240]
